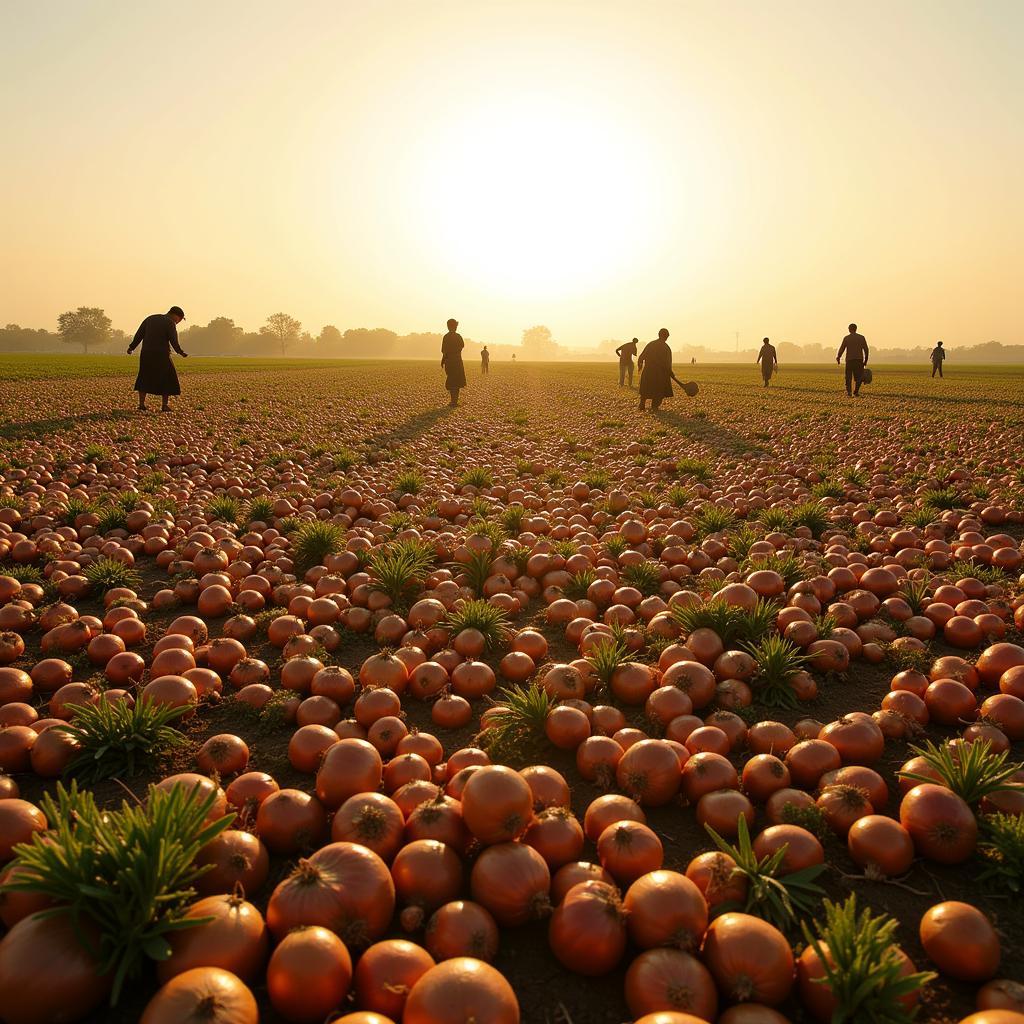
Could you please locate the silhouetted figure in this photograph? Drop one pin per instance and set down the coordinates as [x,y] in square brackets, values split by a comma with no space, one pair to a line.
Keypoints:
[158,334]
[451,359]
[693,361]
[769,360]
[856,349]
[656,376]
[626,354]
[485,360]
[938,358]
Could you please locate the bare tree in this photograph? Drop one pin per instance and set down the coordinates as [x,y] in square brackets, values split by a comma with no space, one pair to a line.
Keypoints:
[85,326]
[285,329]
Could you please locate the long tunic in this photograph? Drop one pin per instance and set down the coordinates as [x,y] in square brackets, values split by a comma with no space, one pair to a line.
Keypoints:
[157,376]
[655,365]
[767,358]
[451,359]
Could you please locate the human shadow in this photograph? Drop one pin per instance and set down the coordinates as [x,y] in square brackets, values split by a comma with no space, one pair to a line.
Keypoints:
[31,428]
[714,435]
[410,428]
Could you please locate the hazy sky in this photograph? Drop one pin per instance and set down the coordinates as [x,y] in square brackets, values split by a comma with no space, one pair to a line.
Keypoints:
[605,168]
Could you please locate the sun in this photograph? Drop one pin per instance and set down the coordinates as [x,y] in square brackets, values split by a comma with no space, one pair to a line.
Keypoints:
[535,195]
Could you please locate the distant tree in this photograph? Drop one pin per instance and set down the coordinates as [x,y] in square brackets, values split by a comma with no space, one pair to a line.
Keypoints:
[423,345]
[14,338]
[221,336]
[223,331]
[538,343]
[364,341]
[284,329]
[329,341]
[84,326]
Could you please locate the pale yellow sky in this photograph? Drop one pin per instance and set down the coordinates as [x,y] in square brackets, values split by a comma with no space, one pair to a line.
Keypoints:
[774,168]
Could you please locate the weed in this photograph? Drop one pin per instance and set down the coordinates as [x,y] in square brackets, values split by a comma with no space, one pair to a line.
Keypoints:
[312,542]
[864,970]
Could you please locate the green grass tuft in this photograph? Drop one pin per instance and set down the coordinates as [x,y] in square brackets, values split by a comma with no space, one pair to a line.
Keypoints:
[107,573]
[313,541]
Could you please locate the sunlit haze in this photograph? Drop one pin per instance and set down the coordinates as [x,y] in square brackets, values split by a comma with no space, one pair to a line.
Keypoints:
[602,168]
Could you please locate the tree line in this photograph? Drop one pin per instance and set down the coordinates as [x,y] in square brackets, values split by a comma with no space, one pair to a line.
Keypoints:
[89,329]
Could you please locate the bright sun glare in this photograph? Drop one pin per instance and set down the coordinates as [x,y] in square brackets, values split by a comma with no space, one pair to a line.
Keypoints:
[533,194]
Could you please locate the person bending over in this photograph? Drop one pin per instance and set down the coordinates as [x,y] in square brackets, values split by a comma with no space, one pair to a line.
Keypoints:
[626,353]
[157,335]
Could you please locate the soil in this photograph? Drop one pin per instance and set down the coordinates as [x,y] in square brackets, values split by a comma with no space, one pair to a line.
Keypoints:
[548,994]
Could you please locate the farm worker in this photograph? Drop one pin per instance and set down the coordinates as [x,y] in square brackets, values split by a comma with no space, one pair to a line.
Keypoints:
[655,365]
[625,353]
[485,360]
[158,334]
[856,349]
[769,360]
[938,355]
[451,359]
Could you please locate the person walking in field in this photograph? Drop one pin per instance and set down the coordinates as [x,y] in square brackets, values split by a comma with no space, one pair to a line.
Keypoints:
[938,358]
[157,335]
[451,359]
[485,360]
[626,353]
[856,349]
[769,360]
[656,376]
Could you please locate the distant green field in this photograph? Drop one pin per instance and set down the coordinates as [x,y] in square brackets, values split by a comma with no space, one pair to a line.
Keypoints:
[31,366]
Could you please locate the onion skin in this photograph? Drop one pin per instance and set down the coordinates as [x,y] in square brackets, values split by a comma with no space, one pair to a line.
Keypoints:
[46,976]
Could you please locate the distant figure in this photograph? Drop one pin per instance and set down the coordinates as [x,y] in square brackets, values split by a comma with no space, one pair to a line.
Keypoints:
[158,334]
[626,353]
[693,361]
[513,357]
[656,376]
[856,349]
[451,359]
[769,360]
[485,360]
[938,358]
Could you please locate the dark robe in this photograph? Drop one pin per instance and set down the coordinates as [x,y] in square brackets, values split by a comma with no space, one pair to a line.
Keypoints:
[451,359]
[157,376]
[655,365]
[767,358]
